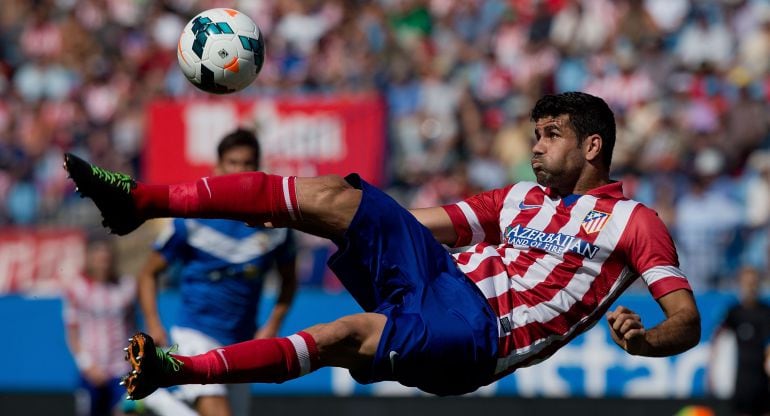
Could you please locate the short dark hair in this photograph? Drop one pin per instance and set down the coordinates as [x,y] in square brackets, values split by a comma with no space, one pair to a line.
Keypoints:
[239,138]
[588,115]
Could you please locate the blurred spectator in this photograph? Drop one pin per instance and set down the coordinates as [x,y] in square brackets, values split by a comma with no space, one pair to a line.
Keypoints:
[705,42]
[706,223]
[749,321]
[77,75]
[757,205]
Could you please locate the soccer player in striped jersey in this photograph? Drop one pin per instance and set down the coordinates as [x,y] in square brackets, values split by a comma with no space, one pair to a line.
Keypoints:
[542,262]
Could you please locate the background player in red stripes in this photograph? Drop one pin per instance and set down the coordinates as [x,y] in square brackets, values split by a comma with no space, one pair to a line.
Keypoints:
[99,315]
[541,264]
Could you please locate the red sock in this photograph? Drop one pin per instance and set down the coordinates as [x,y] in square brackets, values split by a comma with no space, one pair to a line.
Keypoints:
[254,197]
[273,360]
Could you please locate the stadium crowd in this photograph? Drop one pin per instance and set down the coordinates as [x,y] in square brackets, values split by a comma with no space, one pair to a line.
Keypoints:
[689,82]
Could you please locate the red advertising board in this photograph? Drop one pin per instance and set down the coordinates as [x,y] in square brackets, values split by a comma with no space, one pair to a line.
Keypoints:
[305,135]
[39,261]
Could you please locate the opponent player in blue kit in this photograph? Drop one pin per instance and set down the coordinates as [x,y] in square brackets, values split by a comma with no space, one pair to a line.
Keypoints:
[223,266]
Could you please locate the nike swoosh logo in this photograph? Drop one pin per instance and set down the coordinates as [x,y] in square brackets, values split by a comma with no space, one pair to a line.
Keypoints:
[221,352]
[393,355]
[523,206]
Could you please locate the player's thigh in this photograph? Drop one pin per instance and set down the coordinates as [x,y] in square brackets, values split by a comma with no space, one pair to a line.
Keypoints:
[213,406]
[327,204]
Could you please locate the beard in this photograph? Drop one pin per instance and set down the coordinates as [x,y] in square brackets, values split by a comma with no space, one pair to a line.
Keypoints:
[551,178]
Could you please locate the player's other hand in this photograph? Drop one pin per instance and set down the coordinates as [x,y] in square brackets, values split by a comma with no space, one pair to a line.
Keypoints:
[627,330]
[158,334]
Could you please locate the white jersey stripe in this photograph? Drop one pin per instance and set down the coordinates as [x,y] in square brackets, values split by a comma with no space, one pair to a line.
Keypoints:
[233,250]
[473,222]
[494,286]
[477,258]
[517,193]
[654,274]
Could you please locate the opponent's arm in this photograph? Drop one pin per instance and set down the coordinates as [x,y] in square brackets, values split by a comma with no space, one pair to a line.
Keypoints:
[767,360]
[679,332]
[147,288]
[288,274]
[437,221]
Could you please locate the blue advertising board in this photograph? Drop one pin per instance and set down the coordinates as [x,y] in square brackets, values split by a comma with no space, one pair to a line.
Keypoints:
[36,357]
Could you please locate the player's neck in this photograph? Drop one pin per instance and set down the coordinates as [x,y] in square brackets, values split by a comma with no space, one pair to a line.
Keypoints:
[585,184]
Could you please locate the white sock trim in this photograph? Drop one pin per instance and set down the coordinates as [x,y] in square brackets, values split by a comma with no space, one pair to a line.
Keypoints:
[303,355]
[287,198]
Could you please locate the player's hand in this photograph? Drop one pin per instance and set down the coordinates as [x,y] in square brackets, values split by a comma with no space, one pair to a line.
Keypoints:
[158,334]
[627,330]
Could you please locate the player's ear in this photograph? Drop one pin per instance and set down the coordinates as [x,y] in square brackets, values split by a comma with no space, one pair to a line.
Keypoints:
[592,147]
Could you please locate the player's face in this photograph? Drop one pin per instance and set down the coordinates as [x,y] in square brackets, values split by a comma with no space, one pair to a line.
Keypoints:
[99,261]
[557,158]
[236,160]
[749,283]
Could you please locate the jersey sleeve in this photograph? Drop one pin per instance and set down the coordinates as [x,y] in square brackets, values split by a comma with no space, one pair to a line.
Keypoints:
[651,252]
[172,240]
[477,218]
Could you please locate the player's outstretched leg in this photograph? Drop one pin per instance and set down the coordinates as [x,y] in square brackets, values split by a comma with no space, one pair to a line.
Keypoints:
[323,206]
[348,342]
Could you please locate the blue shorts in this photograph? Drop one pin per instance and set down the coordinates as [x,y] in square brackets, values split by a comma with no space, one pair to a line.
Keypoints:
[441,334]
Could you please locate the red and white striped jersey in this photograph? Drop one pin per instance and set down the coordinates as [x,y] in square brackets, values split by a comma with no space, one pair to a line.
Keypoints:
[103,315]
[550,270]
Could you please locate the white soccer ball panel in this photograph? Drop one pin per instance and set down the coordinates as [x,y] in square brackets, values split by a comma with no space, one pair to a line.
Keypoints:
[243,77]
[222,52]
[188,62]
[244,23]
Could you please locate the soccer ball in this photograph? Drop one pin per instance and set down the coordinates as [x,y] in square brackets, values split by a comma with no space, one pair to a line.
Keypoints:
[221,51]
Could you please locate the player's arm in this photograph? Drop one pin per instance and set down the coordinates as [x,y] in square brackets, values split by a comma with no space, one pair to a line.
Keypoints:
[82,360]
[767,358]
[287,271]
[147,289]
[467,222]
[679,332]
[285,257]
[438,222]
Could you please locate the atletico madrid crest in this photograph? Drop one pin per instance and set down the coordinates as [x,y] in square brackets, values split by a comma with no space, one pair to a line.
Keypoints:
[595,221]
